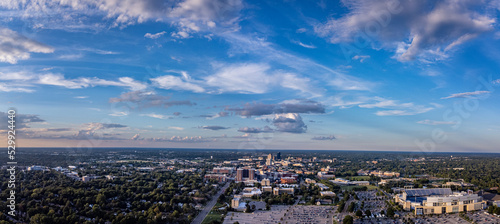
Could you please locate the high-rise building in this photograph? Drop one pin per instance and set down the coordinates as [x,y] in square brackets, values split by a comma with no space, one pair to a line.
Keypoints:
[278,156]
[243,174]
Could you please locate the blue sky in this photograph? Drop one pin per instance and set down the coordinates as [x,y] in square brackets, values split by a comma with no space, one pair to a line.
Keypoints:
[349,75]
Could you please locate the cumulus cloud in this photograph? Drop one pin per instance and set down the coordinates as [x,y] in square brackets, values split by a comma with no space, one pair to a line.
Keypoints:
[290,122]
[466,94]
[137,99]
[432,27]
[15,47]
[214,127]
[266,129]
[96,130]
[292,106]
[330,137]
[136,137]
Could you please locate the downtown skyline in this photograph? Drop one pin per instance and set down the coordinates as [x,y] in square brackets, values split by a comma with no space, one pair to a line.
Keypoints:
[231,74]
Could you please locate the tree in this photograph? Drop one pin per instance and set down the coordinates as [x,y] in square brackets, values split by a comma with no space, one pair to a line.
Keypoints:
[390,212]
[351,207]
[368,213]
[359,213]
[348,220]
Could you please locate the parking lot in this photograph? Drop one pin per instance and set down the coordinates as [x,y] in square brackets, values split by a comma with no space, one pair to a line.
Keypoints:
[483,217]
[310,214]
[266,217]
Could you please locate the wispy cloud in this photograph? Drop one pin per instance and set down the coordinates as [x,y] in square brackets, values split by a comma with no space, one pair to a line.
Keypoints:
[466,94]
[154,36]
[323,138]
[361,58]
[158,116]
[214,127]
[176,128]
[265,129]
[15,47]
[292,106]
[431,122]
[396,108]
[141,99]
[310,46]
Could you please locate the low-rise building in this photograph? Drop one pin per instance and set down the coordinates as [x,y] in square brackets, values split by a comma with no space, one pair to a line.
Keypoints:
[310,181]
[327,193]
[248,192]
[265,182]
[278,191]
[325,175]
[439,201]
[216,177]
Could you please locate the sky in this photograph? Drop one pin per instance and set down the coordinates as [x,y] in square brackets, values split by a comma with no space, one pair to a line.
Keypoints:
[382,75]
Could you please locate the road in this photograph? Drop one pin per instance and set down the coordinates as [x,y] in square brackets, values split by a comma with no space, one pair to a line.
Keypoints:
[209,206]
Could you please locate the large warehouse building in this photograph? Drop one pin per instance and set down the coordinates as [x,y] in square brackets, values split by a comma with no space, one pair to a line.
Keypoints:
[438,201]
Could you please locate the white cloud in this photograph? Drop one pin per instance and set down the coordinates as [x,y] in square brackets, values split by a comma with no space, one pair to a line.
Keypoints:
[466,94]
[175,82]
[428,25]
[290,122]
[15,47]
[431,122]
[395,108]
[158,116]
[187,15]
[154,36]
[84,82]
[119,114]
[303,84]
[301,30]
[176,128]
[344,82]
[310,46]
[9,88]
[361,58]
[70,56]
[241,78]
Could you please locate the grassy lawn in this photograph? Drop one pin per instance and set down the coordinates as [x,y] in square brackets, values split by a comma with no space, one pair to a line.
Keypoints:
[211,217]
[360,178]
[350,187]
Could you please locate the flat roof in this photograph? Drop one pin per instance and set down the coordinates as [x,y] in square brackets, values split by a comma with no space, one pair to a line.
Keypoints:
[427,192]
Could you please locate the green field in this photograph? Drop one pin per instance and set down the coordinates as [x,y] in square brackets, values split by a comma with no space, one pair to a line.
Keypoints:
[359,178]
[350,187]
[211,217]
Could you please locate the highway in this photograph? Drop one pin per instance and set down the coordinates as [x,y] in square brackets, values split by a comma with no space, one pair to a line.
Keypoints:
[209,206]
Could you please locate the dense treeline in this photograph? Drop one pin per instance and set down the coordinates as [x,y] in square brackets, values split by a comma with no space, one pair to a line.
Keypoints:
[158,197]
